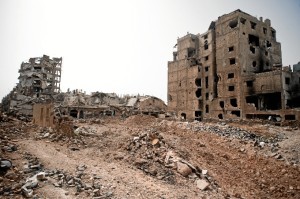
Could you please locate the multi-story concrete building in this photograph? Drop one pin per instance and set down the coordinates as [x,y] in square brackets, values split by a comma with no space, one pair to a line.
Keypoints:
[39,80]
[234,70]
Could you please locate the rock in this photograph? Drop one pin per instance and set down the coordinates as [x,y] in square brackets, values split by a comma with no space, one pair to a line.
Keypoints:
[155,142]
[46,135]
[262,144]
[202,184]
[71,181]
[41,176]
[11,175]
[204,172]
[140,161]
[56,184]
[183,169]
[28,193]
[278,156]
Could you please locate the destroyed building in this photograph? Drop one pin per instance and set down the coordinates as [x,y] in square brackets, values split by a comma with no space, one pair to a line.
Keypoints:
[39,80]
[81,105]
[233,71]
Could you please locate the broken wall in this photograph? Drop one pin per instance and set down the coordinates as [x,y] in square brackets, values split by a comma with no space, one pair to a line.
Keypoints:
[43,115]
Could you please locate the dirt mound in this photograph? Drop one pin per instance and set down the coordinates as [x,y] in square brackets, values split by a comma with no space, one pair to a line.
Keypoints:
[140,120]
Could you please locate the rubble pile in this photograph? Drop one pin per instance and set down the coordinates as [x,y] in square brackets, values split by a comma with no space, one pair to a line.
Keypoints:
[224,130]
[81,182]
[150,153]
[51,135]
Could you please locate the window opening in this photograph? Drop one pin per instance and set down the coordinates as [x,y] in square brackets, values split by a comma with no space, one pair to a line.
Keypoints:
[249,83]
[233,102]
[253,25]
[242,20]
[237,113]
[233,23]
[230,88]
[198,93]
[222,105]
[232,61]
[230,75]
[265,31]
[287,80]
[198,82]
[254,40]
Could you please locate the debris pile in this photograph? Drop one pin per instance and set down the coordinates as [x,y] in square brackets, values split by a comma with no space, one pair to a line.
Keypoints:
[151,154]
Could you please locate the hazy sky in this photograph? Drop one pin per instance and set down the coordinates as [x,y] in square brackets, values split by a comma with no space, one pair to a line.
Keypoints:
[122,46]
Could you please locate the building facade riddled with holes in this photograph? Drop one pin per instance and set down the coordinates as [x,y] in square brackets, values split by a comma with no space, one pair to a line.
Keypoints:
[234,70]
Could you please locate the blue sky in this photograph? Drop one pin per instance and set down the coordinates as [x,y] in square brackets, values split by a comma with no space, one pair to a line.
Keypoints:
[122,46]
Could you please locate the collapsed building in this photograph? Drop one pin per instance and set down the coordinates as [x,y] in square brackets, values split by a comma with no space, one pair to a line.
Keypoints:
[233,71]
[80,105]
[39,80]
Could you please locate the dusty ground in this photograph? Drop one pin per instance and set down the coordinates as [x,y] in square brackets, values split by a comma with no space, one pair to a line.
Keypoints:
[138,158]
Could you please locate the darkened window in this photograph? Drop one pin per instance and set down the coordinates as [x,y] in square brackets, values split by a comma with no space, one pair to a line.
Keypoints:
[198,82]
[179,83]
[230,75]
[206,68]
[254,63]
[242,20]
[253,25]
[249,83]
[205,36]
[266,53]
[206,82]
[265,31]
[191,52]
[230,88]
[267,63]
[206,58]
[287,80]
[205,45]
[273,34]
[253,40]
[268,44]
[206,109]
[237,113]
[233,102]
[290,117]
[220,116]
[206,96]
[222,104]
[232,61]
[231,48]
[233,23]
[198,113]
[198,92]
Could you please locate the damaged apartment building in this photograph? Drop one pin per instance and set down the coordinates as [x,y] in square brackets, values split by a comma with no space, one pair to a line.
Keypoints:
[39,80]
[233,71]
